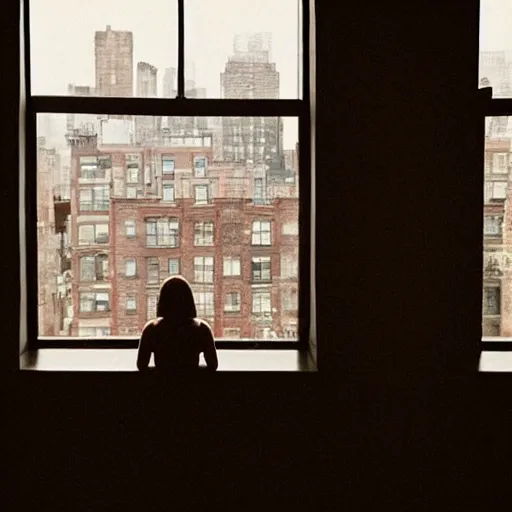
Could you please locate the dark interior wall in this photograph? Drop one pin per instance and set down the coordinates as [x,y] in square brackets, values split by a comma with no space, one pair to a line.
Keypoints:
[397,412]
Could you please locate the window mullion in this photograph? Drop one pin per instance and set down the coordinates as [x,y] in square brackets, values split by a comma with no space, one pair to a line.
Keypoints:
[181,49]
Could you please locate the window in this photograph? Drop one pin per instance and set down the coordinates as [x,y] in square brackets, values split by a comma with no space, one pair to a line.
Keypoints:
[203,233]
[94,198]
[174,266]
[93,331]
[495,191]
[261,303]
[129,228]
[152,302]
[94,268]
[153,271]
[91,302]
[231,266]
[289,300]
[162,233]
[199,167]
[131,192]
[204,304]
[168,166]
[261,232]
[131,302]
[130,268]
[492,300]
[168,192]
[132,169]
[493,225]
[92,167]
[289,265]
[90,234]
[261,271]
[231,333]
[203,269]
[291,228]
[500,163]
[201,194]
[233,302]
[127,150]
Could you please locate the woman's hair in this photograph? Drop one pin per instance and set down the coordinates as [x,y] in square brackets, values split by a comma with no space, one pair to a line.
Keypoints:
[176,300]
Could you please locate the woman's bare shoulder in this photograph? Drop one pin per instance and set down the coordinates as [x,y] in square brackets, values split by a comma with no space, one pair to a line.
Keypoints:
[150,325]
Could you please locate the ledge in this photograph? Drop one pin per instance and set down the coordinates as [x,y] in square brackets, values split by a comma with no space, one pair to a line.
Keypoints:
[124,360]
[495,362]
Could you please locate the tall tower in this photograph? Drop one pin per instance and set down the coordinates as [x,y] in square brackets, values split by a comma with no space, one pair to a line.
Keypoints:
[249,74]
[146,80]
[114,63]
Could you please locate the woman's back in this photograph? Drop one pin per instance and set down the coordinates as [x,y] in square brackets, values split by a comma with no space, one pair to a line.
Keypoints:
[177,345]
[176,337]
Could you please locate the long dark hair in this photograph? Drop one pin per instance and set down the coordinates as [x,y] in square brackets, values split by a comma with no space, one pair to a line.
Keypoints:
[176,300]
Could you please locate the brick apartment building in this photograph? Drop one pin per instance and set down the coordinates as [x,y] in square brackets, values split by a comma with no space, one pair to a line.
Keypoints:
[142,213]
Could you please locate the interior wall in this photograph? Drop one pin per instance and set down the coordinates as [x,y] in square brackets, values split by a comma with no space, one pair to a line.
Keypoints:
[397,416]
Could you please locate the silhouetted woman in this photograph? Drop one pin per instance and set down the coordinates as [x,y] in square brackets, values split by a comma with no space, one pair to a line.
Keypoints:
[176,337]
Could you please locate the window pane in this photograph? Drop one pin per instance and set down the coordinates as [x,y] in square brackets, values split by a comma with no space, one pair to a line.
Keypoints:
[255,44]
[118,229]
[109,48]
[497,236]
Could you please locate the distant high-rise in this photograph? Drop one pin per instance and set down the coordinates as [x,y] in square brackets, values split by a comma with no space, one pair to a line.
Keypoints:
[169,83]
[249,74]
[146,80]
[86,123]
[114,63]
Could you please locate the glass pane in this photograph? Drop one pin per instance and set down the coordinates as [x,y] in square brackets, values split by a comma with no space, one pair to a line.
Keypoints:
[497,238]
[254,49]
[102,48]
[496,47]
[127,232]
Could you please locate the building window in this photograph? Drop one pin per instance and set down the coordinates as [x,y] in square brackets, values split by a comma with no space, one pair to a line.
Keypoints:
[204,304]
[94,268]
[162,233]
[203,269]
[168,192]
[260,195]
[89,234]
[231,333]
[493,225]
[261,303]
[168,166]
[131,302]
[500,163]
[231,266]
[153,270]
[152,301]
[203,233]
[92,302]
[130,267]
[289,300]
[94,198]
[93,332]
[492,300]
[199,167]
[129,228]
[174,266]
[261,234]
[233,302]
[93,167]
[132,169]
[201,194]
[289,265]
[291,228]
[261,269]
[131,192]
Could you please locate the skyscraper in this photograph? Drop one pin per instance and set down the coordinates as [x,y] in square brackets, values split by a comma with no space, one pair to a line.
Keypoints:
[114,63]
[249,74]
[169,83]
[146,80]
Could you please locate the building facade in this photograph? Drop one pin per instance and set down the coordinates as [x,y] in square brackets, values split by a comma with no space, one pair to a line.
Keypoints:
[141,214]
[114,63]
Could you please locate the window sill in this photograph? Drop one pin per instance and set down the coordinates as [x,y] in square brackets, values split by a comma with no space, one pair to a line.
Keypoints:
[124,360]
[495,362]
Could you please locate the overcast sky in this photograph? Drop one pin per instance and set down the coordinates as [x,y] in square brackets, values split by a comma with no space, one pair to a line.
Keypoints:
[62,39]
[495,25]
